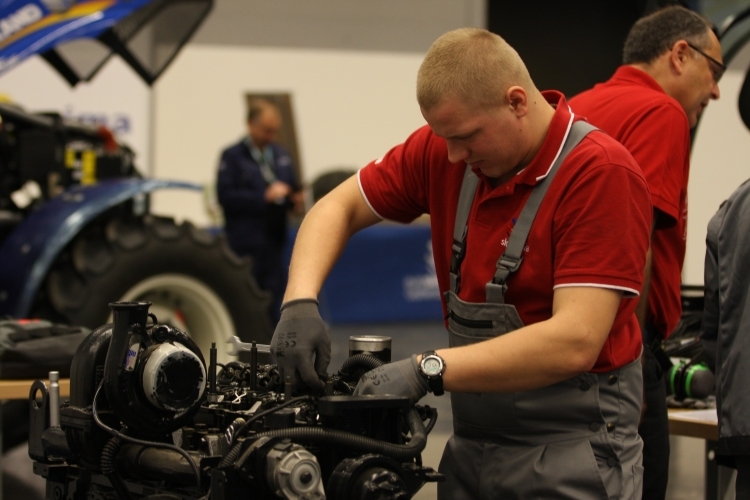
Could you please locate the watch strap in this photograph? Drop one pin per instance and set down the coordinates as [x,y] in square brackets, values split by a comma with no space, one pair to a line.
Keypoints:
[434,381]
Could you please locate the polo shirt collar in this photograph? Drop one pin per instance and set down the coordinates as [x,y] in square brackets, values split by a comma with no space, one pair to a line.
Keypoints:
[558,131]
[631,74]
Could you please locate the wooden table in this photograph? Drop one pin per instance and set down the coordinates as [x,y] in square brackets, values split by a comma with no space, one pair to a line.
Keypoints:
[702,424]
[19,389]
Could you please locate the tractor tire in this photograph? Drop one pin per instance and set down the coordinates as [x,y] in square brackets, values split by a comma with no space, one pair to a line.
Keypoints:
[192,278]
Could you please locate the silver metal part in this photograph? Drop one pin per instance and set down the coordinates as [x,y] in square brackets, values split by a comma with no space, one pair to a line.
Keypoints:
[239,346]
[54,399]
[369,343]
[294,473]
[374,345]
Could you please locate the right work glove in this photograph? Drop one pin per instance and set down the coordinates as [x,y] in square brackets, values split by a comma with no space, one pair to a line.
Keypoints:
[300,335]
[401,378]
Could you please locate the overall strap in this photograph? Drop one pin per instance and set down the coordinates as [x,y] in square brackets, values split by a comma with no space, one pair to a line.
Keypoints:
[511,260]
[465,200]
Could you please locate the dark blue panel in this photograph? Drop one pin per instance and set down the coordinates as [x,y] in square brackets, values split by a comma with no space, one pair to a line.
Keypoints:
[386,273]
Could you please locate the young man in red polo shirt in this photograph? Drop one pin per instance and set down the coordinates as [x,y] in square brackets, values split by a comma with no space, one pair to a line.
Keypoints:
[544,369]
[672,65]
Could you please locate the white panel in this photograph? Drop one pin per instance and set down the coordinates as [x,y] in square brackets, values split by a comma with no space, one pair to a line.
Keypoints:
[117,98]
[349,107]
[720,162]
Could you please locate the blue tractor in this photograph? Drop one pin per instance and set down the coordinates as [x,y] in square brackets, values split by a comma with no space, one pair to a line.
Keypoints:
[86,237]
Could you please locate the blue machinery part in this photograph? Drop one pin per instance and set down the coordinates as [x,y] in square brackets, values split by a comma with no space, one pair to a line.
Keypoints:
[28,253]
[77,37]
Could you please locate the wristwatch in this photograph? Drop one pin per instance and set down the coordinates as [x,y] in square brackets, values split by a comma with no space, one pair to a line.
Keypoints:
[432,368]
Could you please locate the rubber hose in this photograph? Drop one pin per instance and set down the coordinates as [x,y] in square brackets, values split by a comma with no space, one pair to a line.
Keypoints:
[232,456]
[433,418]
[157,463]
[109,454]
[359,361]
[320,435]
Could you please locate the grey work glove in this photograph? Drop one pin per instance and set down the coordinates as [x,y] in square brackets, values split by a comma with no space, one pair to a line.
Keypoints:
[299,335]
[401,378]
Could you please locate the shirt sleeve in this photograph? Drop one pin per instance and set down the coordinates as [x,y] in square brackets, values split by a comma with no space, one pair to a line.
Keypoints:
[396,185]
[602,230]
[660,144]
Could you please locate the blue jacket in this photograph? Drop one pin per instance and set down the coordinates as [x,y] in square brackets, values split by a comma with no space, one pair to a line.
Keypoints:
[250,222]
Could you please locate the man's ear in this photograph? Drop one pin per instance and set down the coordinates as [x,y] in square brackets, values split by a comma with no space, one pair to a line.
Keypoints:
[518,100]
[678,56]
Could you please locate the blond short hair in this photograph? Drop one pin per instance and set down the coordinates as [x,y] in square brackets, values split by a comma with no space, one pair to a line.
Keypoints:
[472,64]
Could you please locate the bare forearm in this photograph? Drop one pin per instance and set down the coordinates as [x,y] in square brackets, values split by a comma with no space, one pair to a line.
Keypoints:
[322,237]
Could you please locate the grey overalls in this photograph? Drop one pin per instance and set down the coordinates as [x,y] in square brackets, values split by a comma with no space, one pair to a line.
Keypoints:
[576,439]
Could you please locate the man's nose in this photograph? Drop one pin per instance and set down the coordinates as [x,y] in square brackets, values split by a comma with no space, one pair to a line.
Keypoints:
[715,92]
[456,152]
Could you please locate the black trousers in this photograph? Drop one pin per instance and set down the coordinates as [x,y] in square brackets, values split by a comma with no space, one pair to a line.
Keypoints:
[654,429]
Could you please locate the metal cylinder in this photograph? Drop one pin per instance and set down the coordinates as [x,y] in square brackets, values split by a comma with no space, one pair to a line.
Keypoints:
[374,345]
[212,370]
[54,399]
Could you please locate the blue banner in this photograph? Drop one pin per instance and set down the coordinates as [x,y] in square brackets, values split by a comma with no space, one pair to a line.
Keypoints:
[385,274]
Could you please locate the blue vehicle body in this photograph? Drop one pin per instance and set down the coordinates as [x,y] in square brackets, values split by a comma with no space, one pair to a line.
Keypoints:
[29,27]
[28,253]
[78,36]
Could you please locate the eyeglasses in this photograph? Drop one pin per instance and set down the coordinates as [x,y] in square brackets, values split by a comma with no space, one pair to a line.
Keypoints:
[717,68]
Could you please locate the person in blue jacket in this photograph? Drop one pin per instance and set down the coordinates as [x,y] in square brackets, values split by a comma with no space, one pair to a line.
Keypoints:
[256,188]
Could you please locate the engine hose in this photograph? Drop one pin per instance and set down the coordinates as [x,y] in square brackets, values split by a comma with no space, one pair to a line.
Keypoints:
[320,435]
[366,361]
[231,457]
[432,415]
[107,463]
[124,437]
[157,463]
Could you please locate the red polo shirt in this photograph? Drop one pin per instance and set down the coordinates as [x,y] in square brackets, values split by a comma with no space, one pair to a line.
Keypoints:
[633,108]
[591,230]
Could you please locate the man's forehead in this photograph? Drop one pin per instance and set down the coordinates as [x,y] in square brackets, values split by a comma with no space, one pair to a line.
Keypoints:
[713,47]
[269,118]
[452,118]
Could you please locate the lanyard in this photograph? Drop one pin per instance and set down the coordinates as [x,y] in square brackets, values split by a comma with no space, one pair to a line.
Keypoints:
[264,159]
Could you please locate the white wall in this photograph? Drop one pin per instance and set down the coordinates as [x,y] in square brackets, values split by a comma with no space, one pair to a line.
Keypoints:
[382,25]
[349,108]
[720,162]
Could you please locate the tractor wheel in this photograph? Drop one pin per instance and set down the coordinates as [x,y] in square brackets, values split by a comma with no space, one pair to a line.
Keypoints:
[192,278]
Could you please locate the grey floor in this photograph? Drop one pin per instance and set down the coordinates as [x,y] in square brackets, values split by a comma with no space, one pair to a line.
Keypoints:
[686,466]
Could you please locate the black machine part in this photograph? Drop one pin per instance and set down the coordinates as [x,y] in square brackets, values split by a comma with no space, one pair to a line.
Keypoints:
[146,420]
[170,399]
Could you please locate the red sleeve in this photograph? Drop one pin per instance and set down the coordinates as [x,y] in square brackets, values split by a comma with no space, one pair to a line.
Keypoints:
[396,185]
[664,167]
[602,229]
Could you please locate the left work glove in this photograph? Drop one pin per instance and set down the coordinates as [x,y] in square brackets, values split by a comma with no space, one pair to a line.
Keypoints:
[401,378]
[300,335]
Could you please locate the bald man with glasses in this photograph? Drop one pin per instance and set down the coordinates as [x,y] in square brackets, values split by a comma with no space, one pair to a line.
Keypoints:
[670,72]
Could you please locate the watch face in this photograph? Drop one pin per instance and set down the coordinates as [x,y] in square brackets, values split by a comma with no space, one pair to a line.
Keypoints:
[432,366]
